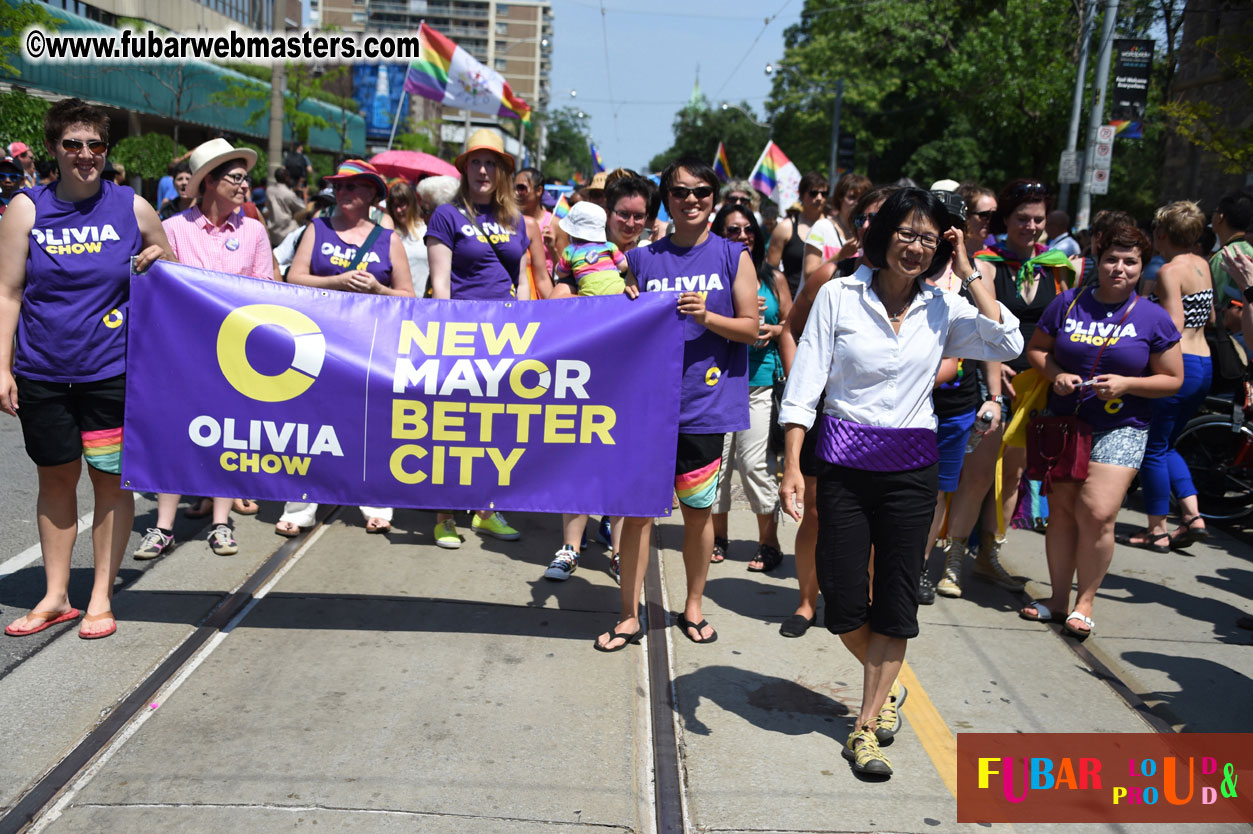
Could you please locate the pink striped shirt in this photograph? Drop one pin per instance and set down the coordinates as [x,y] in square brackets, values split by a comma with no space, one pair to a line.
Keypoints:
[239,246]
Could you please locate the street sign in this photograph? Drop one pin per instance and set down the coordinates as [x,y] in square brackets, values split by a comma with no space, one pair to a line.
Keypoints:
[1102,155]
[1105,133]
[1068,168]
[1099,184]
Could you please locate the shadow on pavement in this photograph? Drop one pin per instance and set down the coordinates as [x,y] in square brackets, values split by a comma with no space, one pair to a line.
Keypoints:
[769,703]
[1199,679]
[1202,609]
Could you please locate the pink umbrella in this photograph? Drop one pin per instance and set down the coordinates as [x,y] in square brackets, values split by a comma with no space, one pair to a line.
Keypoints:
[412,165]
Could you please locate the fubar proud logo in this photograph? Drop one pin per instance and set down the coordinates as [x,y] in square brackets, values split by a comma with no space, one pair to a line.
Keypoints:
[288,384]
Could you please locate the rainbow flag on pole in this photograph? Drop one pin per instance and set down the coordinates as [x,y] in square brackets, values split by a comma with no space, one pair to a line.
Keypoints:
[562,208]
[446,73]
[775,176]
[596,160]
[721,166]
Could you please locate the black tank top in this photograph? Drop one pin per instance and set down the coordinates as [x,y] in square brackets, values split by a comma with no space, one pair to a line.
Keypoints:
[1028,314]
[793,259]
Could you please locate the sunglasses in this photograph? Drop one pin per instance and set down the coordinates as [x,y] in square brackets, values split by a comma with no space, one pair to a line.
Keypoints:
[817,192]
[701,192]
[863,219]
[521,188]
[96,146]
[628,216]
[10,177]
[738,201]
[736,231]
[983,215]
[1029,189]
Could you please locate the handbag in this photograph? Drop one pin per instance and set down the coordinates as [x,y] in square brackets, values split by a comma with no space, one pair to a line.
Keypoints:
[1059,447]
[1229,365]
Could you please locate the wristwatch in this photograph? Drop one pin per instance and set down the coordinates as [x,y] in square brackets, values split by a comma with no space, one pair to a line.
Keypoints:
[970,279]
[999,399]
[1248,294]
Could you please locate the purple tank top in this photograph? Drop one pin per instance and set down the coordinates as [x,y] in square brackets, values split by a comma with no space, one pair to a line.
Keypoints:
[72,325]
[714,396]
[331,255]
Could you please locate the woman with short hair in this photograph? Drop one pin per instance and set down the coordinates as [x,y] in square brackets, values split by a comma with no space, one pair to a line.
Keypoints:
[1109,382]
[63,319]
[873,344]
[721,315]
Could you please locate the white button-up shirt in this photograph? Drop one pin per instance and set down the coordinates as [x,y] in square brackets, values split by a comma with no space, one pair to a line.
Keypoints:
[875,376]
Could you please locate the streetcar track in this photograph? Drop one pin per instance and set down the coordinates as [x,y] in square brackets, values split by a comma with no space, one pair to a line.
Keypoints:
[31,805]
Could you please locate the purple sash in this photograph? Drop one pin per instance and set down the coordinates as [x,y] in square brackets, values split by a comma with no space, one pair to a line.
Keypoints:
[875,448]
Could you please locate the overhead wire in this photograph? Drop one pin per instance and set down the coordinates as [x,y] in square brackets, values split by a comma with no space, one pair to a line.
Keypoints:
[749,51]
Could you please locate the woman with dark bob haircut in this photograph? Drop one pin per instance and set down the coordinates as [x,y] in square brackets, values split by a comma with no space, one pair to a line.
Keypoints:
[873,343]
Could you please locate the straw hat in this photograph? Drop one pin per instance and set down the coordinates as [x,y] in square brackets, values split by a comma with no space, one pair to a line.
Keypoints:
[599,181]
[485,139]
[210,155]
[359,169]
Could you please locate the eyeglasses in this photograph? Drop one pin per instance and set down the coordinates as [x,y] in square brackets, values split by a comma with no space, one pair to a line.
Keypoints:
[983,215]
[817,192]
[1029,189]
[700,192]
[735,200]
[521,188]
[628,216]
[96,146]
[908,236]
[235,179]
[863,219]
[737,231]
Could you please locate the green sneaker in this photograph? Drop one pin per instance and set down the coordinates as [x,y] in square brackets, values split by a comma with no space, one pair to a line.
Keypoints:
[862,749]
[495,525]
[890,716]
[446,535]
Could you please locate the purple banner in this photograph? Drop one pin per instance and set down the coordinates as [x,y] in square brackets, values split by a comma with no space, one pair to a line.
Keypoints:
[246,388]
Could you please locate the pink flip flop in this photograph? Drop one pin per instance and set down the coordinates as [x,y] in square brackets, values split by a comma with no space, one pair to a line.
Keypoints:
[50,618]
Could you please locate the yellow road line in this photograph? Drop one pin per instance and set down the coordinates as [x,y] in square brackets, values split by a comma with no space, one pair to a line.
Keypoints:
[936,738]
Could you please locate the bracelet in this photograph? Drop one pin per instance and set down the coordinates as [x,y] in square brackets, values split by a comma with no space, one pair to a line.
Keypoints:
[970,279]
[999,399]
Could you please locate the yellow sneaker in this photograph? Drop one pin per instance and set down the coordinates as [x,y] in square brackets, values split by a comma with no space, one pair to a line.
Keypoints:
[446,535]
[495,525]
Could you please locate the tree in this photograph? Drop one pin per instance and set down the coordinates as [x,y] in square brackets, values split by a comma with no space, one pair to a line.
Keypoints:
[15,19]
[22,117]
[699,128]
[147,155]
[568,139]
[252,95]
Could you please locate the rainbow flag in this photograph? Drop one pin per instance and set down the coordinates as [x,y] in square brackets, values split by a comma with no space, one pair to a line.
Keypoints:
[562,208]
[775,176]
[577,179]
[446,73]
[596,160]
[721,166]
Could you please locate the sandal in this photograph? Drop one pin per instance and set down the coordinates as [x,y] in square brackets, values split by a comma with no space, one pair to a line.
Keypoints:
[627,640]
[1078,633]
[684,624]
[1190,535]
[202,510]
[1148,541]
[1037,612]
[245,506]
[287,528]
[95,618]
[720,550]
[377,525]
[769,556]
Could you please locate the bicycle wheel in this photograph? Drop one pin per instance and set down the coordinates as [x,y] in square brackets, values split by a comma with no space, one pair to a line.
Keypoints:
[1209,445]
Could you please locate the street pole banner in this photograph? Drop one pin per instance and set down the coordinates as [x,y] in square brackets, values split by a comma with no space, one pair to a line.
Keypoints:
[248,388]
[1131,86]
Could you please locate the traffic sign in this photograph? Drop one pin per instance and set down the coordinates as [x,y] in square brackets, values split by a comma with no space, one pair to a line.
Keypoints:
[1102,155]
[1099,184]
[1068,168]
[1105,133]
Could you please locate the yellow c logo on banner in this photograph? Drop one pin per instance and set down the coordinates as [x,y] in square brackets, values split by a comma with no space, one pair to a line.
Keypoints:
[247,380]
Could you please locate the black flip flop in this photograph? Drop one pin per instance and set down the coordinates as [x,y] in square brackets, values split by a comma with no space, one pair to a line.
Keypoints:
[627,640]
[684,624]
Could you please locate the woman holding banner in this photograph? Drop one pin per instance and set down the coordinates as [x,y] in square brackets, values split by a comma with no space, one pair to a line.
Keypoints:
[63,312]
[351,253]
[722,321]
[213,234]
[476,246]
[873,344]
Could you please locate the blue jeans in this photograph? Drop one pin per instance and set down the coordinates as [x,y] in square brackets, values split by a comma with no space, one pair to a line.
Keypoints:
[1163,470]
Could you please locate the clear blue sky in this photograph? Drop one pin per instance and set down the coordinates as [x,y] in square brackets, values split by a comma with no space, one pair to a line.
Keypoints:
[655,47]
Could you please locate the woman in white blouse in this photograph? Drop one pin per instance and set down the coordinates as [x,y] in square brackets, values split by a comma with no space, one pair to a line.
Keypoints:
[873,342]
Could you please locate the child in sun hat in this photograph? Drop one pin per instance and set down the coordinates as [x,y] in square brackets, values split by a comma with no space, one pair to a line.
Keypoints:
[590,265]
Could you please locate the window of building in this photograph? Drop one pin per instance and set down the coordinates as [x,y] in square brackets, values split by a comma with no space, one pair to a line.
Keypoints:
[502,9]
[502,28]
[501,63]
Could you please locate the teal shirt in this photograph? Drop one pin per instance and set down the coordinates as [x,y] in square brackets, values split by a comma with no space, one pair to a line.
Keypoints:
[764,364]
